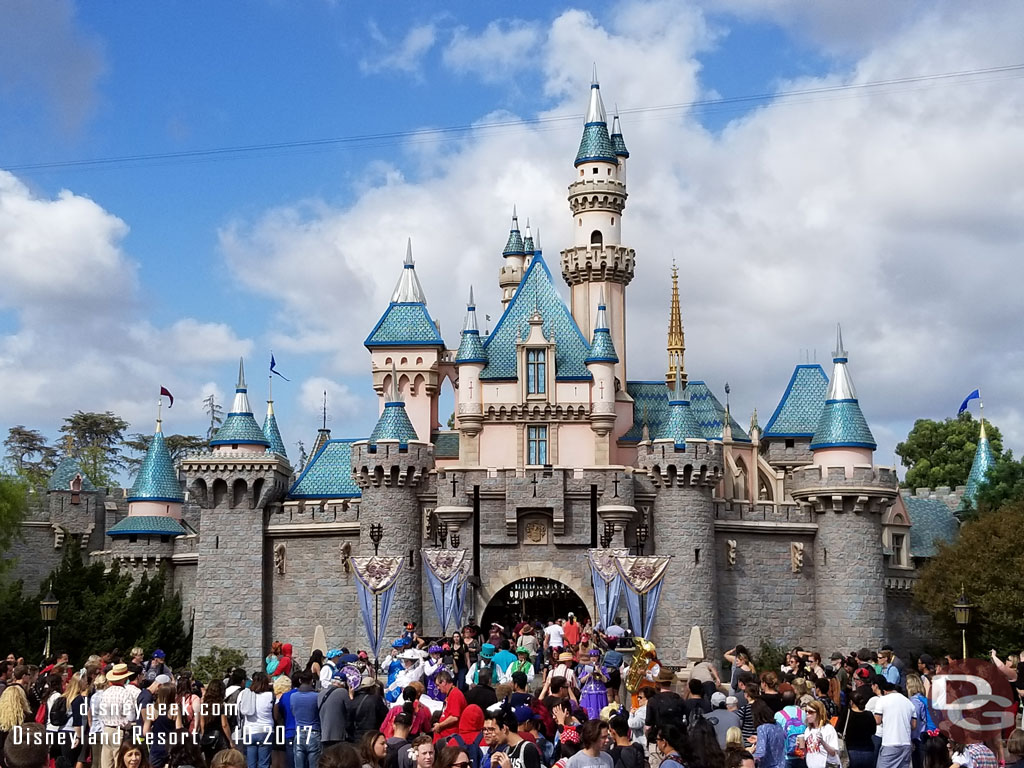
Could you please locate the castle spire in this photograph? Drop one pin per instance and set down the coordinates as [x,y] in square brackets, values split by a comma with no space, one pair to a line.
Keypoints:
[602,349]
[471,349]
[157,479]
[270,428]
[618,143]
[681,423]
[842,424]
[676,345]
[514,245]
[596,144]
[393,423]
[983,461]
[240,427]
[408,290]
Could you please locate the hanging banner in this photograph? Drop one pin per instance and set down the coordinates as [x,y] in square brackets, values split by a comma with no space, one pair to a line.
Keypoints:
[443,568]
[642,577]
[460,606]
[376,578]
[607,583]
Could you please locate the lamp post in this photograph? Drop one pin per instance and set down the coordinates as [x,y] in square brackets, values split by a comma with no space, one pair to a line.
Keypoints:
[642,532]
[962,614]
[48,612]
[442,532]
[376,534]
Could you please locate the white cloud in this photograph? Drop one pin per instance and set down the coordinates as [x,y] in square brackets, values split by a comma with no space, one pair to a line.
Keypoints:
[403,56]
[343,406]
[894,211]
[502,49]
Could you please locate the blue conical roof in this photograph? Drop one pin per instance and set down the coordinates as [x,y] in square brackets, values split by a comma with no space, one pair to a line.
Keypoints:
[618,143]
[393,424]
[471,348]
[65,473]
[596,144]
[983,461]
[240,425]
[157,479]
[514,245]
[602,350]
[681,423]
[841,424]
[272,433]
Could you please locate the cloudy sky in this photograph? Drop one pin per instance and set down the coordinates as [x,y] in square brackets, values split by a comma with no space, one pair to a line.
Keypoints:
[800,161]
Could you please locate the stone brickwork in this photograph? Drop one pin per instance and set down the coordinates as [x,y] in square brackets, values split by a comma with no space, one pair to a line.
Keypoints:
[34,555]
[910,629]
[778,455]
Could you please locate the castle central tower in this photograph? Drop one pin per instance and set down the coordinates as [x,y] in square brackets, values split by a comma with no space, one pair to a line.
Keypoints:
[598,263]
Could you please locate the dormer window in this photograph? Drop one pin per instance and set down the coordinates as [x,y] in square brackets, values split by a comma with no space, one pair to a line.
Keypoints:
[536,365]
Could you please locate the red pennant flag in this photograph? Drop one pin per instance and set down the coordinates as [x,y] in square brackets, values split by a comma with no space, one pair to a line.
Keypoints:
[164,392]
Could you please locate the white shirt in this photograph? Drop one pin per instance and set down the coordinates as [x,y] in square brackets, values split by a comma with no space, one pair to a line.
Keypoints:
[326,673]
[615,631]
[872,707]
[408,676]
[897,712]
[816,738]
[556,637]
[257,711]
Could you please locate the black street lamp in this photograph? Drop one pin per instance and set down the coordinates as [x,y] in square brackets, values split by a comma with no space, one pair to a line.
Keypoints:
[962,614]
[376,534]
[48,611]
[642,532]
[442,532]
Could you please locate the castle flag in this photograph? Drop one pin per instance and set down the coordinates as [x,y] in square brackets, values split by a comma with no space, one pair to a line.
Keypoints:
[975,395]
[275,371]
[165,392]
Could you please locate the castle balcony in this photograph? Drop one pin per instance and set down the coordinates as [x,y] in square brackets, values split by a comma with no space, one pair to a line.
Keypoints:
[860,488]
[586,263]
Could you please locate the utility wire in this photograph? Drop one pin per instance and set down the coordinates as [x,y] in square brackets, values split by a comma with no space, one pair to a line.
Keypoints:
[427,135]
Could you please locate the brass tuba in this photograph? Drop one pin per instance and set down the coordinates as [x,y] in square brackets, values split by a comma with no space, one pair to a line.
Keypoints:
[643,652]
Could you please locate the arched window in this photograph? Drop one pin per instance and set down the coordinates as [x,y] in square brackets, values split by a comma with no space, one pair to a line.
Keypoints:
[596,238]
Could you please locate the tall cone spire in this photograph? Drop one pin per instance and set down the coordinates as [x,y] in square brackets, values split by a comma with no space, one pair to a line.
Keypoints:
[676,346]
[240,427]
[842,424]
[393,423]
[408,289]
[983,461]
[602,349]
[471,349]
[596,144]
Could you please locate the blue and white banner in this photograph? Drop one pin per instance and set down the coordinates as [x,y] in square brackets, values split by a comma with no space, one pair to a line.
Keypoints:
[642,576]
[443,568]
[460,609]
[607,583]
[376,578]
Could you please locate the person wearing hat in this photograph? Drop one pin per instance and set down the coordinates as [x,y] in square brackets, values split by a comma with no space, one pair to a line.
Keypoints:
[329,668]
[565,668]
[117,711]
[394,666]
[485,660]
[503,659]
[411,672]
[433,664]
[156,666]
[721,718]
[592,677]
[334,710]
[521,664]
[665,701]
[572,631]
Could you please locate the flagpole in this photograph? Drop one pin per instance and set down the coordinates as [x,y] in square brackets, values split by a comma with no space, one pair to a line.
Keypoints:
[159,410]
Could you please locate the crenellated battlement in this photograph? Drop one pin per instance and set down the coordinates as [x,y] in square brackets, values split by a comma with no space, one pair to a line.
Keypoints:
[697,463]
[596,263]
[390,464]
[860,488]
[597,195]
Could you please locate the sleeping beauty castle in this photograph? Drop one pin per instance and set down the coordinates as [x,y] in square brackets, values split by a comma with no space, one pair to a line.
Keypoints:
[568,483]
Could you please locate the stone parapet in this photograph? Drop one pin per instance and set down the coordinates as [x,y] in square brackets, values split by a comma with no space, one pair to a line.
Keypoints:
[595,263]
[698,462]
[390,464]
[597,195]
[860,488]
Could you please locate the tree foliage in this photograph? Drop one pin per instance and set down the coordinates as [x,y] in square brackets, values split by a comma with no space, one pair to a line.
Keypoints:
[1003,484]
[177,446]
[97,441]
[940,453]
[215,411]
[99,610]
[986,561]
[216,663]
[13,507]
[28,455]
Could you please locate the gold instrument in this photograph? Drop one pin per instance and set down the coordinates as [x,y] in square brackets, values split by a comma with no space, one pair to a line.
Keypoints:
[643,653]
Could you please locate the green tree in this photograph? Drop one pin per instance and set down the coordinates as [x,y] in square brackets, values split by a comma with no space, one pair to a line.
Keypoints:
[13,506]
[940,453]
[97,440]
[215,411]
[985,560]
[28,455]
[1003,484]
[216,663]
[177,446]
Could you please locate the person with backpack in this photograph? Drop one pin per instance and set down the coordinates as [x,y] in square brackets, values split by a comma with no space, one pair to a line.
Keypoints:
[791,718]
[156,666]
[769,743]
[470,737]
[398,755]
[625,752]
[334,713]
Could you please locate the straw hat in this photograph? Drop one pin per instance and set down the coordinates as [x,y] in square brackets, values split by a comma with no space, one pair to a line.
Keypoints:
[118,672]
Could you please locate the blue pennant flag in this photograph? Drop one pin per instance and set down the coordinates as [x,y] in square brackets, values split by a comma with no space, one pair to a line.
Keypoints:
[272,370]
[975,395]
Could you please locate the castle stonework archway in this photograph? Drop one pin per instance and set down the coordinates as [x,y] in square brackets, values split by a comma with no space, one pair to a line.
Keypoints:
[494,582]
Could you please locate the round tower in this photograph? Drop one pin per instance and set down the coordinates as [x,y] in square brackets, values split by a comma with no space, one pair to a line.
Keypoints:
[601,364]
[598,263]
[848,496]
[470,361]
[514,255]
[391,468]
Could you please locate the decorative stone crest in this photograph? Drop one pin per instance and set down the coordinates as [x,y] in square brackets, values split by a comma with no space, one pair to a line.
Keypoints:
[346,554]
[536,532]
[730,552]
[796,556]
[279,559]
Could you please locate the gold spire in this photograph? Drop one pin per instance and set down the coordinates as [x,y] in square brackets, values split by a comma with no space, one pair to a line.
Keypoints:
[676,343]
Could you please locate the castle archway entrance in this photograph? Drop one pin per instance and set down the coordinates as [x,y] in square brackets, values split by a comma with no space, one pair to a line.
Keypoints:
[533,598]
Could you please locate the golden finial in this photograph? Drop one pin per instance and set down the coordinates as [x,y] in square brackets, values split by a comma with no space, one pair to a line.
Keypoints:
[676,346]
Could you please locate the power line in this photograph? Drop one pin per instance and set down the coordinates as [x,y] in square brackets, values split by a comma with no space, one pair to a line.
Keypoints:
[426,135]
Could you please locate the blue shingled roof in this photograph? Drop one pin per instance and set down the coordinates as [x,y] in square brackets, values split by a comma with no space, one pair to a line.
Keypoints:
[983,461]
[799,410]
[471,349]
[595,145]
[536,290]
[65,472]
[405,324]
[446,444]
[239,428]
[393,424]
[514,246]
[602,350]
[619,145]
[931,521]
[157,479]
[650,401]
[328,475]
[273,435]
[710,413]
[680,424]
[528,244]
[151,525]
[842,425]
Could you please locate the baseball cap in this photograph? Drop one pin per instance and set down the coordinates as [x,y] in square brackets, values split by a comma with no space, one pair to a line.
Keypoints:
[837,656]
[731,701]
[523,714]
[717,699]
[162,679]
[158,654]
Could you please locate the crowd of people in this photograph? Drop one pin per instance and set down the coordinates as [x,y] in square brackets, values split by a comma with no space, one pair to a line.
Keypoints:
[557,694]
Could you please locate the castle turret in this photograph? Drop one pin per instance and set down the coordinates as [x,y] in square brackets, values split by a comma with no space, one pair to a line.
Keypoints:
[391,468]
[601,364]
[676,345]
[240,432]
[470,360]
[270,430]
[849,496]
[407,339]
[528,246]
[597,263]
[983,461]
[74,504]
[238,484]
[514,255]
